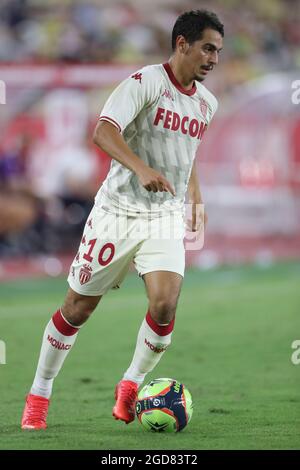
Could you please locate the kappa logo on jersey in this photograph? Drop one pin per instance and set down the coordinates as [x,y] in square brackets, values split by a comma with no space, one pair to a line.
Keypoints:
[77,257]
[203,107]
[90,223]
[83,241]
[57,344]
[85,274]
[137,76]
[185,125]
[168,94]
[73,271]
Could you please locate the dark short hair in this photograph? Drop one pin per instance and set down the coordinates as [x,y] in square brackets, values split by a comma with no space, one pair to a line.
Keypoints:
[191,25]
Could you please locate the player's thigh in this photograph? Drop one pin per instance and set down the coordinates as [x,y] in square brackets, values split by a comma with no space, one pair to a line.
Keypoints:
[161,263]
[163,288]
[160,255]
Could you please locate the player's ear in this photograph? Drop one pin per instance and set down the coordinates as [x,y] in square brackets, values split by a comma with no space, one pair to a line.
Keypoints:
[181,44]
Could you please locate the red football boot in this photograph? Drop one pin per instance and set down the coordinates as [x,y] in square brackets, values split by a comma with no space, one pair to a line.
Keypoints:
[35,412]
[126,395]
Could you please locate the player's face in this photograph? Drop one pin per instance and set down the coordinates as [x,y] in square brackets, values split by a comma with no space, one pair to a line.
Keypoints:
[202,55]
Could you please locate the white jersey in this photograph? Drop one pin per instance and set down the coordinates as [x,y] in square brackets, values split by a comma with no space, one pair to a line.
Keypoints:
[163,124]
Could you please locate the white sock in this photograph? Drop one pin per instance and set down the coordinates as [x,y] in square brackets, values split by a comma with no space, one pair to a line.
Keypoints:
[58,339]
[152,341]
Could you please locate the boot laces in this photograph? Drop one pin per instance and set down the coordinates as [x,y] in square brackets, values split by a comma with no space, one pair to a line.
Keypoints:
[37,411]
[128,395]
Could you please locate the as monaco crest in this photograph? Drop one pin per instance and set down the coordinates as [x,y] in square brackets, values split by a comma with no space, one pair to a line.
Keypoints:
[85,274]
[203,107]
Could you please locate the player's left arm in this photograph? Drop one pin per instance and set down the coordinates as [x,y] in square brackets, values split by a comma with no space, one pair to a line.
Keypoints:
[198,214]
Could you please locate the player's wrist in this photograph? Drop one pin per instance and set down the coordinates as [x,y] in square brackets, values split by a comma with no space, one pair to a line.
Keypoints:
[139,168]
[195,200]
[194,196]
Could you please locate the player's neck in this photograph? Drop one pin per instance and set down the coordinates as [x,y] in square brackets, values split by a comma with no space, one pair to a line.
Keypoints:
[183,79]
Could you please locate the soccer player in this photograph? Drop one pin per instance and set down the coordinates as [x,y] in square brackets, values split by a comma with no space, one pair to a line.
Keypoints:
[151,126]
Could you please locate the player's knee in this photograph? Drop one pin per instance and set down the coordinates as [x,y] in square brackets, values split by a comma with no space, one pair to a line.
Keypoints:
[76,314]
[162,310]
[77,309]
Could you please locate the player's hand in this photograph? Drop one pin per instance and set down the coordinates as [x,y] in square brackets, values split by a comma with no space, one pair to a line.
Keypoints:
[154,181]
[198,218]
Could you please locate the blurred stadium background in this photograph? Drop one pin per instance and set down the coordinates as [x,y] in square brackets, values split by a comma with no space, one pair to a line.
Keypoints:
[59,61]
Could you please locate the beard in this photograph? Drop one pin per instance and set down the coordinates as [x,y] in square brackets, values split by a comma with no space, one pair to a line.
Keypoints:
[199,78]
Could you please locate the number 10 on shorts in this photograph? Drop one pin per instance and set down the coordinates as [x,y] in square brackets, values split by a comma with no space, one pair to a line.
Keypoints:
[106,253]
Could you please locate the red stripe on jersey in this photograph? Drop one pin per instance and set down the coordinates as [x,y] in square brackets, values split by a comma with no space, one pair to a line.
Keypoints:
[175,82]
[62,326]
[108,119]
[158,329]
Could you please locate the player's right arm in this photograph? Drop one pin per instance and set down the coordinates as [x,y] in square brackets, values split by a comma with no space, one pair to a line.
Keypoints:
[135,93]
[109,139]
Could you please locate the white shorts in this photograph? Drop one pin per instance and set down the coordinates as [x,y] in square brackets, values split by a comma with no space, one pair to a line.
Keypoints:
[111,241]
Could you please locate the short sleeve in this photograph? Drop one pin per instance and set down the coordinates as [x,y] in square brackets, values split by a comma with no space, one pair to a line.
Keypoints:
[135,93]
[214,105]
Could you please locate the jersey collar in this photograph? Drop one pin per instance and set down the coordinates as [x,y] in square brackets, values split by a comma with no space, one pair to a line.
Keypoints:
[175,82]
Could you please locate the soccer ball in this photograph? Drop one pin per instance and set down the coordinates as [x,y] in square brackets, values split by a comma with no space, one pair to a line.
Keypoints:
[164,405]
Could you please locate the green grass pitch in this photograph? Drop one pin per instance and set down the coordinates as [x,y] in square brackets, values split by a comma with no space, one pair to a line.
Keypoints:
[231,347]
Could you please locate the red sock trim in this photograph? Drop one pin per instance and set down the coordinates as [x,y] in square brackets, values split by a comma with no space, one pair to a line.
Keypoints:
[62,326]
[158,329]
